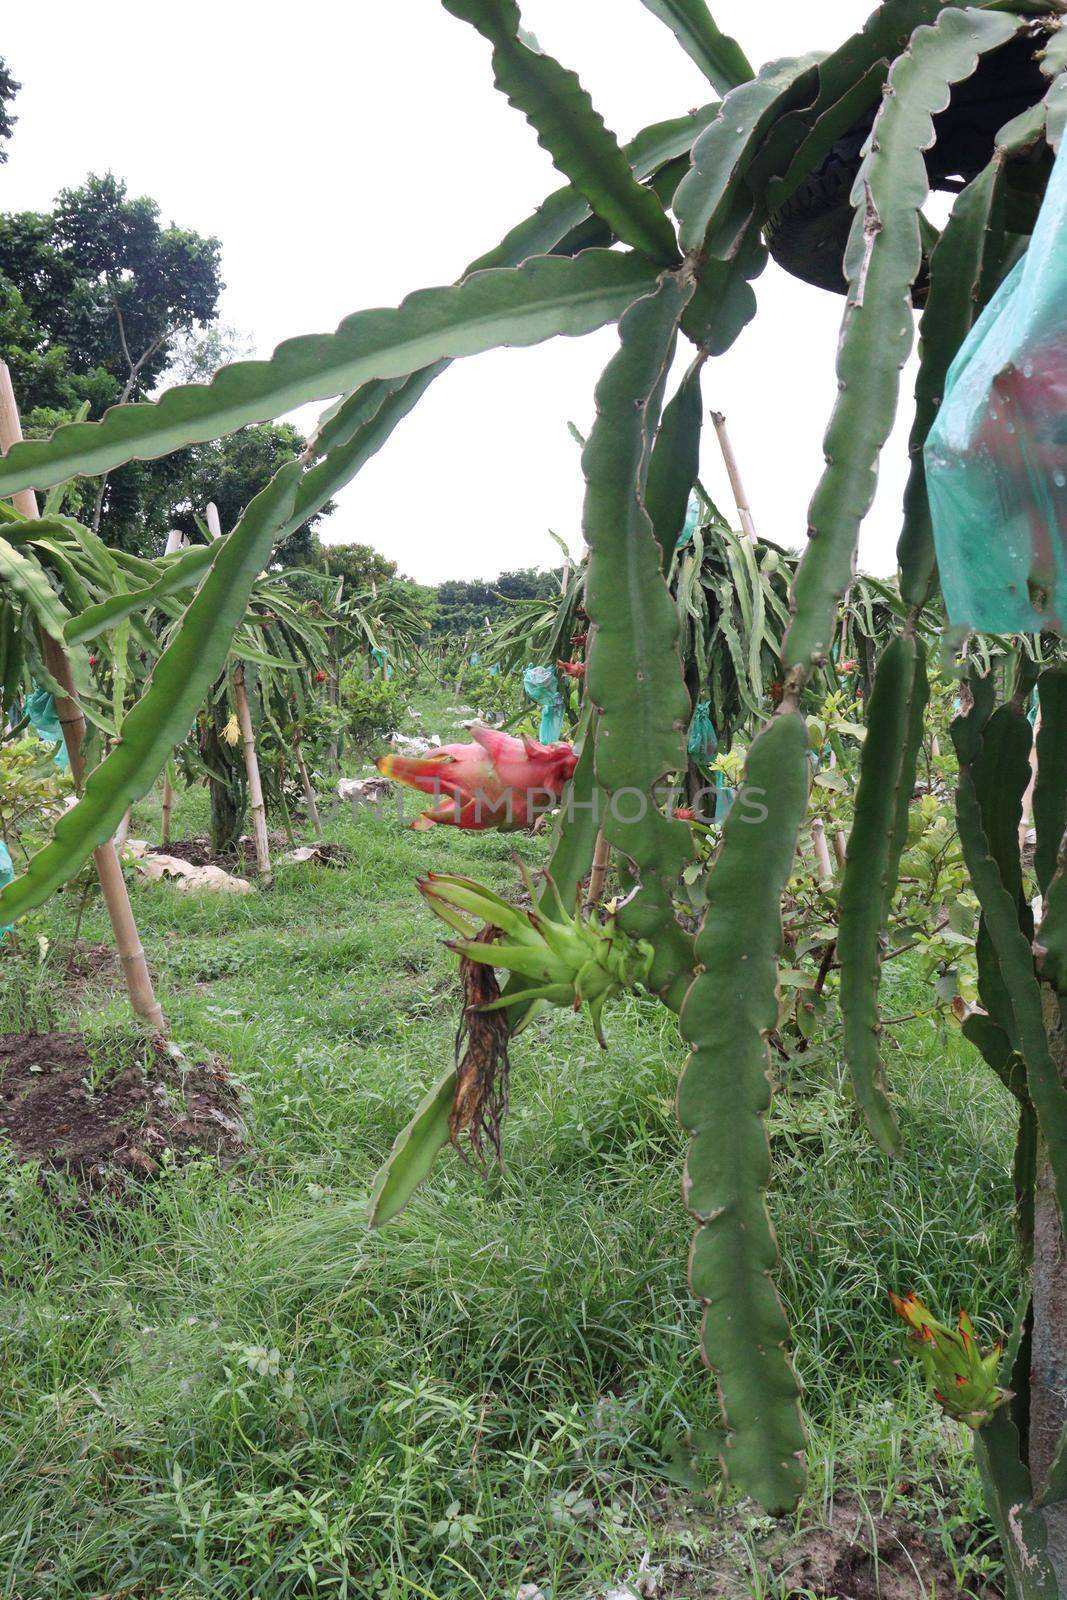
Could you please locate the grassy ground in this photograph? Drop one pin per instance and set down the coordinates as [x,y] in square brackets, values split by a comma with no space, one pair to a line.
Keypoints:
[233,1390]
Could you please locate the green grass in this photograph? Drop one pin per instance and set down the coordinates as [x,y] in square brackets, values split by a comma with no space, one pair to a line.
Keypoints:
[233,1390]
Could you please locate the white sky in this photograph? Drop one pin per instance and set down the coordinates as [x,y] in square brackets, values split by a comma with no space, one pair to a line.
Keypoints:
[347,153]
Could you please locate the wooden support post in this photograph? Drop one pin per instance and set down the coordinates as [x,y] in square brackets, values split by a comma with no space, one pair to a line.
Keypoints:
[168,805]
[105,857]
[748,527]
[840,849]
[123,830]
[255,787]
[309,792]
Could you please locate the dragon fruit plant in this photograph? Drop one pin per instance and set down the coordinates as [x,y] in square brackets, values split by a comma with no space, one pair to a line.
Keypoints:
[826,161]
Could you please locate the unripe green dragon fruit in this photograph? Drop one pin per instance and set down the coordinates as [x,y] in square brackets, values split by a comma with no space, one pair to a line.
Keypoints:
[569,960]
[962,1380]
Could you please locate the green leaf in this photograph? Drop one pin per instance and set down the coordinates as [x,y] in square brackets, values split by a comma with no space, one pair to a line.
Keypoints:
[881,262]
[712,203]
[22,575]
[879,834]
[553,227]
[956,268]
[653,148]
[177,574]
[640,736]
[568,126]
[723,1098]
[997,1052]
[850,82]
[674,464]
[1000,911]
[172,696]
[1050,789]
[1009,1496]
[720,58]
[414,1151]
[524,305]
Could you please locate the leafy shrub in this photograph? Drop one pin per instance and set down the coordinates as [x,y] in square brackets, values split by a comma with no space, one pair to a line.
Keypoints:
[372,707]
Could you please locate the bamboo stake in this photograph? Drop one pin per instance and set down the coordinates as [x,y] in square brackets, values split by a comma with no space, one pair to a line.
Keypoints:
[840,849]
[255,787]
[598,876]
[175,542]
[733,471]
[168,802]
[112,883]
[248,737]
[123,829]
[309,793]
[818,845]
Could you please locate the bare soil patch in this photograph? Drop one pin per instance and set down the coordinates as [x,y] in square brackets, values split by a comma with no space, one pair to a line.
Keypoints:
[198,852]
[853,1555]
[102,1134]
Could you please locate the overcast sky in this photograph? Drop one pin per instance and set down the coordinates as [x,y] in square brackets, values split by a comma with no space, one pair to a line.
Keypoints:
[346,153]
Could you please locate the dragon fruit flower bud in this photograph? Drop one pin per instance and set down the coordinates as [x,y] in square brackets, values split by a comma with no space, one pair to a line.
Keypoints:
[962,1380]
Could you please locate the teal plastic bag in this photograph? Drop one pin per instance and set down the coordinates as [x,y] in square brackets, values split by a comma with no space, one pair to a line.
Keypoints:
[701,740]
[7,872]
[380,658]
[40,708]
[542,686]
[689,526]
[996,457]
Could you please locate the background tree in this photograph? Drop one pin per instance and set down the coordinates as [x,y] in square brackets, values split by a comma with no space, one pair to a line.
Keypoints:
[95,297]
[8,90]
[464,605]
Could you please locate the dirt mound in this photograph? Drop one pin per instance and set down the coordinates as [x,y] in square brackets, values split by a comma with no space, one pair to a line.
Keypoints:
[101,1130]
[860,1556]
[854,1554]
[198,852]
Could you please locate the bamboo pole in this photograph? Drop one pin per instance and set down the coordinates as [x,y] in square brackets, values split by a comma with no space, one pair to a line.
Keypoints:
[248,737]
[733,472]
[175,542]
[112,883]
[255,787]
[840,849]
[598,876]
[168,804]
[309,792]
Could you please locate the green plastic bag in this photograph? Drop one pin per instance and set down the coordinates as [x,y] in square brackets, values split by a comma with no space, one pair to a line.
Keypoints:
[40,708]
[7,872]
[701,740]
[380,658]
[996,457]
[689,526]
[542,685]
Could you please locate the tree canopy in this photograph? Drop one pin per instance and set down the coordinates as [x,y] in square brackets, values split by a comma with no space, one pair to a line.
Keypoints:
[8,90]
